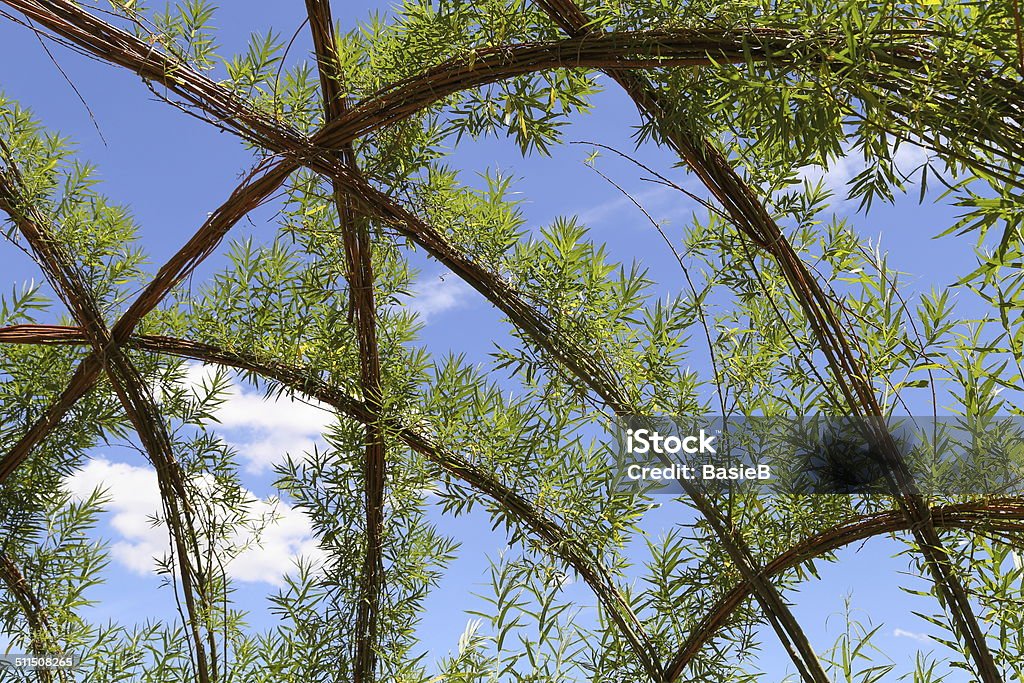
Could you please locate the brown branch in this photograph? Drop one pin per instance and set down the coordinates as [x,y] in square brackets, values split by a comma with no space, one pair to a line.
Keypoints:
[644,49]
[590,568]
[584,363]
[1005,514]
[590,370]
[986,515]
[742,204]
[397,101]
[707,162]
[93,36]
[202,244]
[359,254]
[574,22]
[40,633]
[131,388]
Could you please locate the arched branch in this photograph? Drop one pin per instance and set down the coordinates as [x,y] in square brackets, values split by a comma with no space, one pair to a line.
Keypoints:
[265,179]
[987,515]
[589,567]
[131,388]
[706,161]
[752,219]
[1000,514]
[549,531]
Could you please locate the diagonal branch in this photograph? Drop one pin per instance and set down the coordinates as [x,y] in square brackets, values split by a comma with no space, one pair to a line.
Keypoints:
[557,539]
[590,568]
[707,163]
[63,273]
[202,244]
[40,632]
[989,515]
[82,31]
[751,217]
[92,36]
[983,516]
[87,33]
[583,363]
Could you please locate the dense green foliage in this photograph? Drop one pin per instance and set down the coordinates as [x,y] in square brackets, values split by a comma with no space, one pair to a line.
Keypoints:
[775,87]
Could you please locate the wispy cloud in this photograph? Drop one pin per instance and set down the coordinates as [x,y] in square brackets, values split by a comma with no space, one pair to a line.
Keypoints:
[439,293]
[908,157]
[663,203]
[835,178]
[134,503]
[913,635]
[263,430]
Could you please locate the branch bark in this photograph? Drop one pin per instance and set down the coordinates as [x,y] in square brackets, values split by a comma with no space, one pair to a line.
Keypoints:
[133,392]
[987,515]
[750,216]
[1003,514]
[40,633]
[590,568]
[358,246]
[119,47]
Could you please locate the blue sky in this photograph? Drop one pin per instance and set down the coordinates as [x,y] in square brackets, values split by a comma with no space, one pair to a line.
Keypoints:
[149,152]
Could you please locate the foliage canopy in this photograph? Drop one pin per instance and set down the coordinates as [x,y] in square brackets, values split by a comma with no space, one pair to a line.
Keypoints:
[793,310]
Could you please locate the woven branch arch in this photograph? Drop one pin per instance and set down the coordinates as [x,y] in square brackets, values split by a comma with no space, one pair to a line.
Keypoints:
[329,152]
[988,516]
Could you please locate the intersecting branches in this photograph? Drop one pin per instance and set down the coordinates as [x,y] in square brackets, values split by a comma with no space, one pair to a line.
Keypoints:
[177,268]
[82,31]
[110,44]
[556,539]
[132,390]
[987,516]
[752,219]
[983,517]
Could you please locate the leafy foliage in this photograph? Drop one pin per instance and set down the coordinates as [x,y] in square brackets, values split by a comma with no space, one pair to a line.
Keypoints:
[586,589]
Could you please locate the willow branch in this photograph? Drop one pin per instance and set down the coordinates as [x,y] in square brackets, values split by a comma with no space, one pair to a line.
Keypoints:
[264,180]
[750,215]
[550,532]
[64,275]
[728,188]
[1004,514]
[40,633]
[358,252]
[989,515]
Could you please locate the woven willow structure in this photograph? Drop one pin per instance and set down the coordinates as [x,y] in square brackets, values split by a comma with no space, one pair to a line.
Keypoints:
[898,62]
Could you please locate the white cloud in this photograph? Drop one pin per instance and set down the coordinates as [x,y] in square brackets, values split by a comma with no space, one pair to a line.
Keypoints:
[134,501]
[281,543]
[919,637]
[835,177]
[437,294]
[661,202]
[263,430]
[908,157]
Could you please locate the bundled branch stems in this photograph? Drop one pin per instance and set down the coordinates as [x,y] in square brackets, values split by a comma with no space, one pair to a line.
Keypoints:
[329,152]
